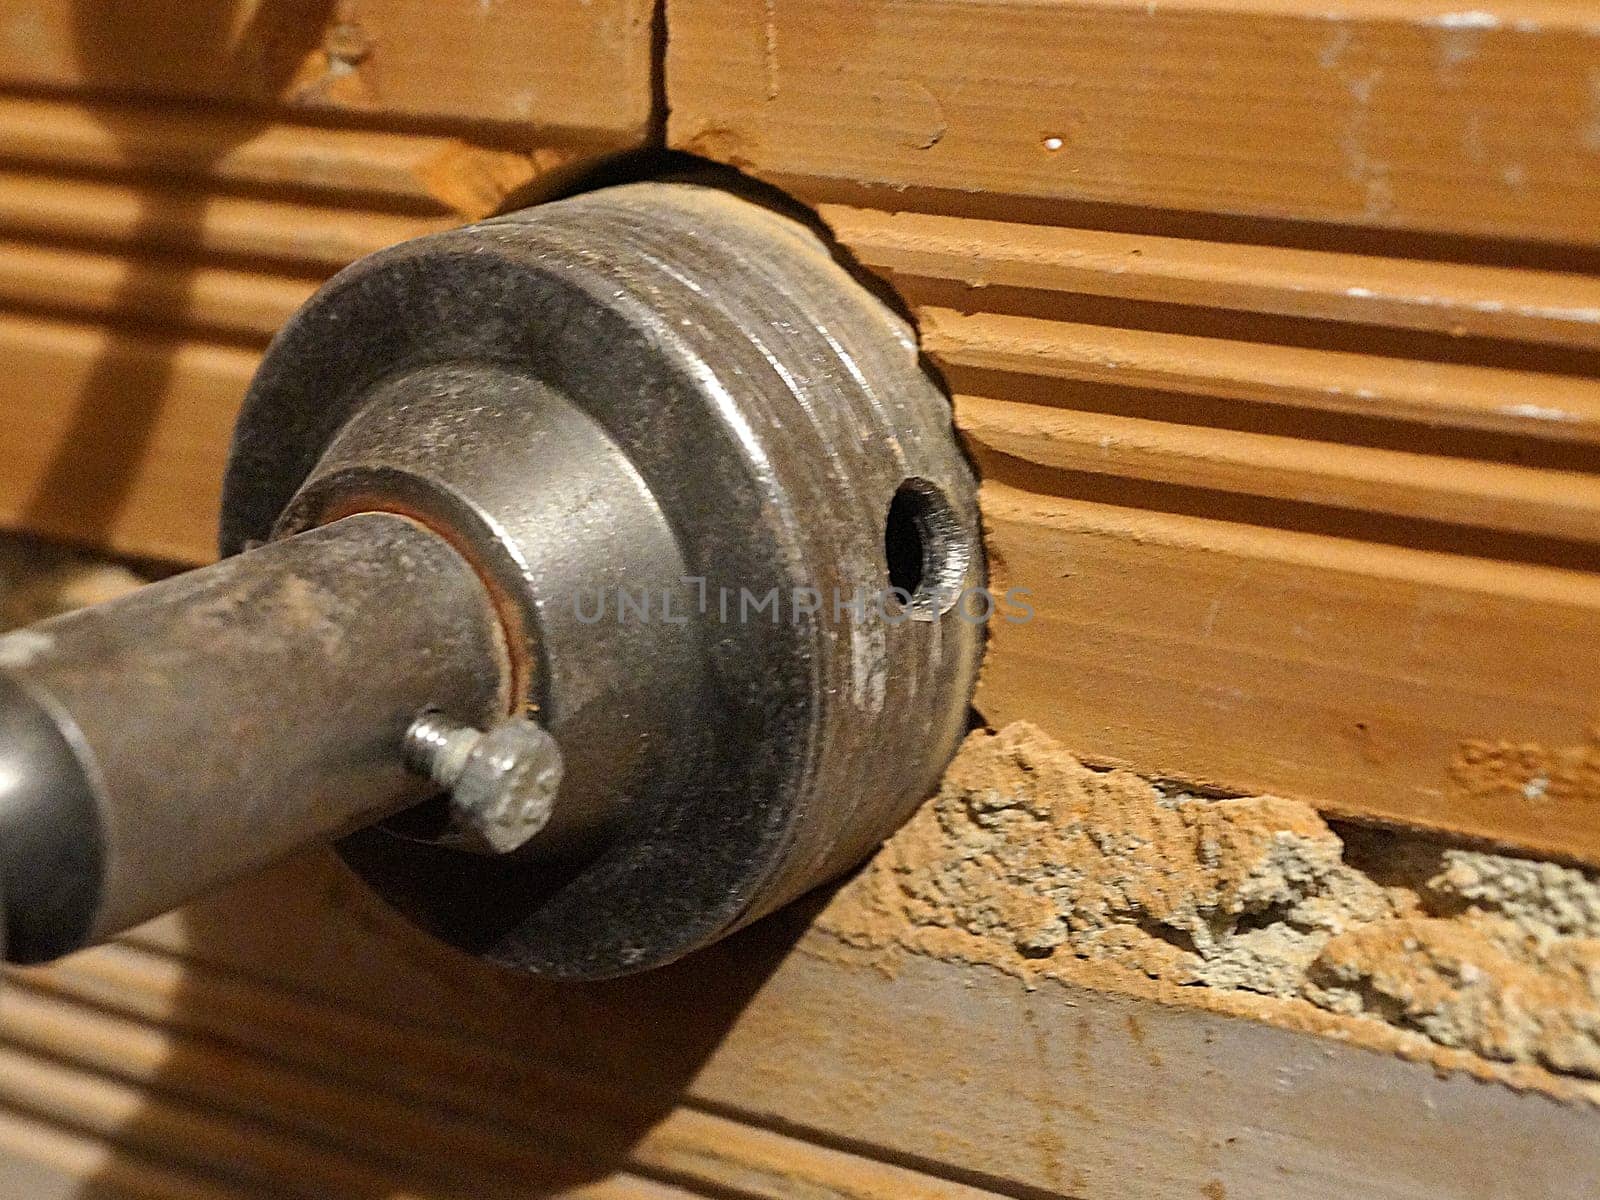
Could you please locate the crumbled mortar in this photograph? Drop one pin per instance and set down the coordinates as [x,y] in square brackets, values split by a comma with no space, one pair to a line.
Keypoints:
[1544,899]
[1033,858]
[1480,985]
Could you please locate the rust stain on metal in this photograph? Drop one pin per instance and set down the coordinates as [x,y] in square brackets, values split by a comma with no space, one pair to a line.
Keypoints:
[512,621]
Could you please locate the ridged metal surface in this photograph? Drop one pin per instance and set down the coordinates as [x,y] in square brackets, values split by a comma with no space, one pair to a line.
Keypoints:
[772,407]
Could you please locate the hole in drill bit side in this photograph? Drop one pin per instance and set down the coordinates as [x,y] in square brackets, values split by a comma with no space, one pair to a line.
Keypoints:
[925,549]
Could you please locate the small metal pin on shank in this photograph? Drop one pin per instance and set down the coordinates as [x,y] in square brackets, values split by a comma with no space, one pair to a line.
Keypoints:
[502,782]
